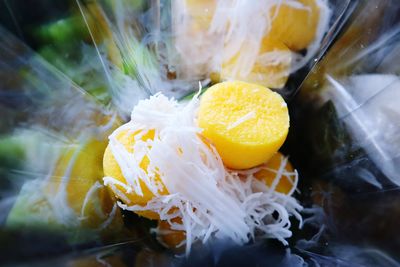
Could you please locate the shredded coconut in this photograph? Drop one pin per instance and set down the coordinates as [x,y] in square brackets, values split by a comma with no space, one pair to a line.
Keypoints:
[241,120]
[236,31]
[208,199]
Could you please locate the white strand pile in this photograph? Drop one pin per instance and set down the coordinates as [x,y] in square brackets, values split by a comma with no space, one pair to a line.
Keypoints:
[205,199]
[236,30]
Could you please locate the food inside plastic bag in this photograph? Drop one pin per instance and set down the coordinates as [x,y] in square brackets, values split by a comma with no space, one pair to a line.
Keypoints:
[260,42]
[349,103]
[91,63]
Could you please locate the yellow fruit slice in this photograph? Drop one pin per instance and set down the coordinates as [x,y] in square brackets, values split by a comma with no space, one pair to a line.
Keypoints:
[271,69]
[295,27]
[247,123]
[268,175]
[112,169]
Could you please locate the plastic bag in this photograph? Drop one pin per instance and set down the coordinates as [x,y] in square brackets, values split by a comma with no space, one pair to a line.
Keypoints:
[346,155]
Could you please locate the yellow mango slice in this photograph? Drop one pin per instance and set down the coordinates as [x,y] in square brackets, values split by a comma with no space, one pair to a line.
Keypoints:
[268,175]
[247,123]
[272,68]
[112,169]
[295,27]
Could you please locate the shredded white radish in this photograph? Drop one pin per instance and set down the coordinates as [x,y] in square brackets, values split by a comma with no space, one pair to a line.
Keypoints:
[208,200]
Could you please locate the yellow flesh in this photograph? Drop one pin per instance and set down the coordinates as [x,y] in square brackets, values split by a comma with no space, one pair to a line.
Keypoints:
[271,75]
[78,169]
[296,28]
[255,140]
[201,13]
[291,29]
[112,169]
[285,183]
[174,237]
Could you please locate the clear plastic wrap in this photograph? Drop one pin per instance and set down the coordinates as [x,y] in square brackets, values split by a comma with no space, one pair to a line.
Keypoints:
[347,114]
[85,70]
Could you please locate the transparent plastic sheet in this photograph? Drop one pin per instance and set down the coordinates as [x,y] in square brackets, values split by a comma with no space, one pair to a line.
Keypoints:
[347,115]
[60,37]
[148,42]
[56,108]
[52,130]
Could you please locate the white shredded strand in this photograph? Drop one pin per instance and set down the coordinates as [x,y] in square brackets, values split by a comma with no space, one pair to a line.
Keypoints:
[112,181]
[110,218]
[323,23]
[242,119]
[89,195]
[235,33]
[58,202]
[278,174]
[119,193]
[207,199]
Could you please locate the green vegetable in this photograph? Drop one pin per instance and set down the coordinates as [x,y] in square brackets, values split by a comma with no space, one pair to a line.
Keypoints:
[63,30]
[11,153]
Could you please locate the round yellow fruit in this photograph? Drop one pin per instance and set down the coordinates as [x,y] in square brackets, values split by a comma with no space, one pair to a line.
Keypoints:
[76,171]
[272,68]
[268,174]
[295,27]
[112,169]
[247,123]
